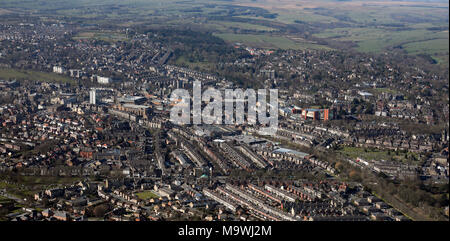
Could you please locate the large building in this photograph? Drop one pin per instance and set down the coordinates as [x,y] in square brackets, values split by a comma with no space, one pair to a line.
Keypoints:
[138,110]
[104,80]
[313,114]
[136,100]
[93,96]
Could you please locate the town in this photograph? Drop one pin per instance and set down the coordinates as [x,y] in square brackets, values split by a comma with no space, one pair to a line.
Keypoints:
[86,132]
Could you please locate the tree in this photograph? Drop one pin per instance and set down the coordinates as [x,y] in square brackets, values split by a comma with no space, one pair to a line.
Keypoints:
[100,210]
[45,202]
[354,175]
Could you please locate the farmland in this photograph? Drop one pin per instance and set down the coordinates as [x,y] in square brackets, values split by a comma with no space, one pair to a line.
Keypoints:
[374,26]
[410,27]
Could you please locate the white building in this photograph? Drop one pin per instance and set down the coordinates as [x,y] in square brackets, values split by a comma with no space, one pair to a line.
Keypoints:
[103,80]
[93,97]
[59,69]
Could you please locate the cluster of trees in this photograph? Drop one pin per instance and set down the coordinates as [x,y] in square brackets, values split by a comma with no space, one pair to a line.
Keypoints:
[207,52]
[360,106]
[197,46]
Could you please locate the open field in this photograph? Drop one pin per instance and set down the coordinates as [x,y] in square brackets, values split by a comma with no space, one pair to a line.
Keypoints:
[102,35]
[432,46]
[243,26]
[18,74]
[146,195]
[368,154]
[182,61]
[416,41]
[27,186]
[375,26]
[47,180]
[414,27]
[265,41]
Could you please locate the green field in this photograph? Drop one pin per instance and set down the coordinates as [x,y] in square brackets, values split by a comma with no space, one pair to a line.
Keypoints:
[146,195]
[18,74]
[419,27]
[266,41]
[417,41]
[433,46]
[182,61]
[413,27]
[375,154]
[227,25]
[378,39]
[107,36]
[27,186]
[47,180]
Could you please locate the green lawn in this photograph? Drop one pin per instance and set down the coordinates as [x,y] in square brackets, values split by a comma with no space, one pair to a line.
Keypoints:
[146,195]
[182,61]
[47,180]
[27,186]
[375,154]
[19,74]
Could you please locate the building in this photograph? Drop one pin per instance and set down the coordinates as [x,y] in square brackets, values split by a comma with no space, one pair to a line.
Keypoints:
[138,110]
[75,73]
[136,100]
[314,114]
[59,69]
[365,95]
[104,80]
[93,96]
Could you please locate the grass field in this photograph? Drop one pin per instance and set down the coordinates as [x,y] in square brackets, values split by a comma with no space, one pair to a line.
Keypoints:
[27,186]
[146,195]
[377,39]
[266,41]
[416,41]
[243,26]
[417,27]
[193,65]
[368,154]
[18,74]
[17,190]
[375,26]
[102,35]
[47,180]
[432,46]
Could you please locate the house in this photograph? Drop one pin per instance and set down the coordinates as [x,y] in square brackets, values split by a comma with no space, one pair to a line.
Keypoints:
[61,216]
[56,192]
[47,213]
